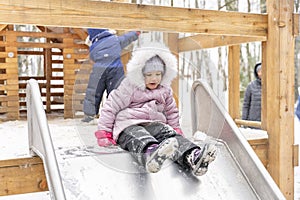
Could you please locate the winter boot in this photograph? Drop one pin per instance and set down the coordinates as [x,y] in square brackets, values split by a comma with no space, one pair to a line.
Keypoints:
[87,118]
[199,159]
[158,153]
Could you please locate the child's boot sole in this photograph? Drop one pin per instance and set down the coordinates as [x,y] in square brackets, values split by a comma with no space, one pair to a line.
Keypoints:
[165,151]
[208,156]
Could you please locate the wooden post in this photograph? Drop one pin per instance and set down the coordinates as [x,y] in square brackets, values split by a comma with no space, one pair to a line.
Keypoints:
[12,81]
[48,73]
[234,80]
[264,87]
[69,77]
[280,93]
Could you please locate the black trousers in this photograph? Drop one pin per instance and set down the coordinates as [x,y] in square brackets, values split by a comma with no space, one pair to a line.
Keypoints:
[137,138]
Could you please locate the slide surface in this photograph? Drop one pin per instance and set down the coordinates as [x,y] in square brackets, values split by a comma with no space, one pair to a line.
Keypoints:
[91,172]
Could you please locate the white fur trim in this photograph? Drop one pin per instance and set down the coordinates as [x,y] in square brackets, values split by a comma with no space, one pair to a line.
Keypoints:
[142,54]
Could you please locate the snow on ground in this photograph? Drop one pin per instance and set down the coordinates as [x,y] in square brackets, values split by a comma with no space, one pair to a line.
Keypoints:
[14,144]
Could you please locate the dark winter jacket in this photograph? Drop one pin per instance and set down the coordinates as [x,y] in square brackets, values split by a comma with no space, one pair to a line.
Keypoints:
[252,100]
[106,48]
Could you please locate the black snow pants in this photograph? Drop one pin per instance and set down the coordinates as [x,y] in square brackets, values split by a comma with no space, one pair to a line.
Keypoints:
[137,138]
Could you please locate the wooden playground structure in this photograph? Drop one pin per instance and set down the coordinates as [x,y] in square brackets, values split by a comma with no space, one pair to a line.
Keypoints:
[63,25]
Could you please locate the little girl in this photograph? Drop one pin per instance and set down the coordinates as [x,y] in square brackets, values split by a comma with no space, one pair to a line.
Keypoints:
[141,115]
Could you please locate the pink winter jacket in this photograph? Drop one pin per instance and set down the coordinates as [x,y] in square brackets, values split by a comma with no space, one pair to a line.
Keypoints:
[128,105]
[131,103]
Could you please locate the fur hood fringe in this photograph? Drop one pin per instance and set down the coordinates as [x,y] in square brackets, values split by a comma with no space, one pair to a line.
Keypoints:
[139,57]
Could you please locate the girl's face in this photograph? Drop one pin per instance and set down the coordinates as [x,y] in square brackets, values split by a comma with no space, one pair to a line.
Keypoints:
[153,79]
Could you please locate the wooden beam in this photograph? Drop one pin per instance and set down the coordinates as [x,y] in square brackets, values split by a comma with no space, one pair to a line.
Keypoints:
[264,89]
[233,80]
[39,34]
[280,94]
[201,41]
[83,14]
[24,175]
[81,33]
[296,24]
[44,45]
[2,26]
[248,123]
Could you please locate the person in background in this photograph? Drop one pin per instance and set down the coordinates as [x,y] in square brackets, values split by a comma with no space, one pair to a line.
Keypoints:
[105,51]
[252,98]
[141,115]
[297,112]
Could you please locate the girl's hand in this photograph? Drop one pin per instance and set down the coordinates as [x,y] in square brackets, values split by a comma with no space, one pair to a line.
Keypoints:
[104,138]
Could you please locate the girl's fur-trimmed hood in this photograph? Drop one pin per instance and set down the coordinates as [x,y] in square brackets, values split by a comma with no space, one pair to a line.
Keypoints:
[142,54]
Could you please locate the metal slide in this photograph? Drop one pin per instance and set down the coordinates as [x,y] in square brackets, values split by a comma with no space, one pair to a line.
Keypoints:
[91,172]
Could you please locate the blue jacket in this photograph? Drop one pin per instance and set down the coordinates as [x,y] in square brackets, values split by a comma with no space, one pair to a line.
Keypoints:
[106,48]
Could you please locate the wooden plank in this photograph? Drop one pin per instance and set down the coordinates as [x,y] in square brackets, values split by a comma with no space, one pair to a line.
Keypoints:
[81,33]
[201,41]
[12,71]
[296,17]
[47,45]
[12,107]
[2,26]
[258,139]
[280,94]
[12,92]
[296,155]
[261,150]
[9,98]
[48,75]
[3,54]
[233,79]
[70,61]
[22,175]
[81,56]
[6,65]
[3,110]
[247,123]
[50,35]
[264,89]
[9,87]
[82,13]
[13,104]
[76,87]
[30,52]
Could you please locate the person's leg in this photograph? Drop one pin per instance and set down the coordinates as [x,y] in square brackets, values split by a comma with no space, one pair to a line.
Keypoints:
[94,92]
[162,131]
[199,159]
[188,155]
[114,76]
[145,148]
[135,139]
[101,87]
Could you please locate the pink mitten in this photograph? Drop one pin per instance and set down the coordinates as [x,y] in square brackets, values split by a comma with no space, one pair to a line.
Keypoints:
[104,138]
[178,130]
